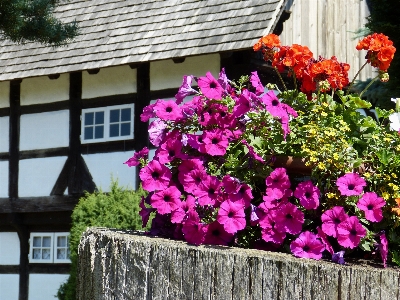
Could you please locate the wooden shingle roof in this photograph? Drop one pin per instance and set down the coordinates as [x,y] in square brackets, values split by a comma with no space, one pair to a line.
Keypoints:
[117,32]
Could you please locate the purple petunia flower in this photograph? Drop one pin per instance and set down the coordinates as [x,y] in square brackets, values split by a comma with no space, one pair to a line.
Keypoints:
[269,232]
[185,89]
[144,212]
[210,87]
[252,152]
[383,247]
[208,190]
[231,215]
[338,257]
[157,132]
[278,179]
[307,245]
[223,80]
[350,184]
[290,218]
[242,104]
[191,180]
[179,214]
[170,150]
[193,230]
[276,197]
[167,200]
[135,159]
[168,110]
[331,219]
[216,235]
[148,112]
[155,176]
[273,105]
[324,240]
[350,232]
[371,205]
[214,142]
[256,83]
[308,194]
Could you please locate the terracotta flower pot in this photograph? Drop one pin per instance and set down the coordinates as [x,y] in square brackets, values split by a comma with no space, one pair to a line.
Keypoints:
[293,165]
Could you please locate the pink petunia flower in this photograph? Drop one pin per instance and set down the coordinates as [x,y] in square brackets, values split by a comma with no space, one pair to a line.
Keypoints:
[350,184]
[135,159]
[274,197]
[331,219]
[273,105]
[148,113]
[383,247]
[145,212]
[166,200]
[289,218]
[168,110]
[188,165]
[193,229]
[191,180]
[350,232]
[155,176]
[195,141]
[208,190]
[169,150]
[216,235]
[210,87]
[324,240]
[242,104]
[307,245]
[269,232]
[157,132]
[252,152]
[231,215]
[223,80]
[371,205]
[278,179]
[185,89]
[179,214]
[308,194]
[214,142]
[256,83]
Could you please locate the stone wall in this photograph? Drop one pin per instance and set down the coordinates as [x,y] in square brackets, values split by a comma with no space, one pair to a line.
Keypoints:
[130,265]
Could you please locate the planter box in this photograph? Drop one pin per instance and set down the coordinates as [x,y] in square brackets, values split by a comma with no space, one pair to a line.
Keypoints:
[130,265]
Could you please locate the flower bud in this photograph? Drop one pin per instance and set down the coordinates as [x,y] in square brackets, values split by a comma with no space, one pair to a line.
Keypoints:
[384,76]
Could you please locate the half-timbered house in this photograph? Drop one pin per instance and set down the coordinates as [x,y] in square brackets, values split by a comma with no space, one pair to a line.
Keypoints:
[69,116]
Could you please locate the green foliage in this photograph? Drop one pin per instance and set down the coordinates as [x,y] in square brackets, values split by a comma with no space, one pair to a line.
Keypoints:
[384,18]
[22,21]
[117,209]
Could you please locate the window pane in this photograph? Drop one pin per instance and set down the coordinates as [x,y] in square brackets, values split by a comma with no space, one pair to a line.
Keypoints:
[37,253]
[99,119]
[88,135]
[61,254]
[125,114]
[37,241]
[46,241]
[114,115]
[89,118]
[125,129]
[99,132]
[46,253]
[61,241]
[114,130]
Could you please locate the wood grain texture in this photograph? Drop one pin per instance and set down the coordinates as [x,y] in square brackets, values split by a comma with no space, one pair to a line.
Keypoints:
[130,265]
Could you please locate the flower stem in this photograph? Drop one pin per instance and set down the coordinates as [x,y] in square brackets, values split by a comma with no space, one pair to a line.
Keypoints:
[369,84]
[280,77]
[354,79]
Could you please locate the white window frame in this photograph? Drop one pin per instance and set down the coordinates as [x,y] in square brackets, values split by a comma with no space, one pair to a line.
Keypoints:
[53,247]
[106,136]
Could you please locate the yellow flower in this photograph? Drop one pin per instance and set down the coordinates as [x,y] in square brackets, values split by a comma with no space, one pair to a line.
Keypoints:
[385,195]
[367,175]
[324,114]
[394,175]
[321,166]
[335,156]
[395,187]
[330,195]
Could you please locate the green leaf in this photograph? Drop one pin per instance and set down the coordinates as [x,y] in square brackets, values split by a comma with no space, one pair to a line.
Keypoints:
[361,103]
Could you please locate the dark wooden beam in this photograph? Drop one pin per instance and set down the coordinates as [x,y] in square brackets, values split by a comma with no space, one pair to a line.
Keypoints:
[38,204]
[44,107]
[39,153]
[15,114]
[109,100]
[9,269]
[49,268]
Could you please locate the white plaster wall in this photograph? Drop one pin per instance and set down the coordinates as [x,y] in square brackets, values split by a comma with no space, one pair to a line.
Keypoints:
[109,81]
[4,94]
[45,286]
[38,90]
[9,286]
[44,130]
[9,248]
[105,166]
[37,176]
[3,179]
[165,74]
[4,133]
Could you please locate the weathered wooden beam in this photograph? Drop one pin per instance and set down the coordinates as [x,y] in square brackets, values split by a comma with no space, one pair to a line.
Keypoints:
[38,204]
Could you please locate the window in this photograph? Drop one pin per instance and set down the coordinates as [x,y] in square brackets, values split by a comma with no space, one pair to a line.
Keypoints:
[49,247]
[107,123]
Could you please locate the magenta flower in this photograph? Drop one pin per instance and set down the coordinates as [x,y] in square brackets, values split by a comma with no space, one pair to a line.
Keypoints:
[252,153]
[188,165]
[308,194]
[289,218]
[243,195]
[331,219]
[307,245]
[191,181]
[216,235]
[168,110]
[350,184]
[383,247]
[242,104]
[135,159]
[223,80]
[350,232]
[170,150]
[273,105]
[338,257]
[214,142]
[155,176]
[324,240]
[178,215]
[210,87]
[371,205]
[278,179]
[195,141]
[276,197]
[144,212]
[166,200]
[193,230]
[185,89]
[269,232]
[157,132]
[256,83]
[148,113]
[208,190]
[231,215]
